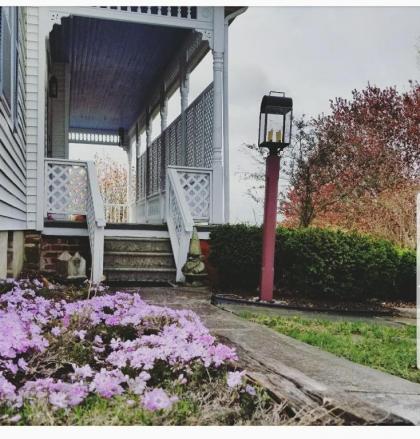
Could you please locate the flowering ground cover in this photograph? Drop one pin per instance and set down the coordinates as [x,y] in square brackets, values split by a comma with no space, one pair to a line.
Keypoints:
[67,358]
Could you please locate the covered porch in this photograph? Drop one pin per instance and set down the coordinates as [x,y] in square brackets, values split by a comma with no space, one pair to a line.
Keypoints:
[111,73]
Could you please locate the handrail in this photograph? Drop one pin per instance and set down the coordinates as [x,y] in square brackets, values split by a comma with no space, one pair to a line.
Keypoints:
[95,218]
[187,219]
[179,220]
[98,204]
[65,161]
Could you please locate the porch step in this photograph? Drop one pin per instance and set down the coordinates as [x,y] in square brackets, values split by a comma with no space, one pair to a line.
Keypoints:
[114,274]
[128,259]
[129,244]
[139,259]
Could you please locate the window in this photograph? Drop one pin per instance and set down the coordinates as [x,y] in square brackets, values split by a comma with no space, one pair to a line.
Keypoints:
[9,59]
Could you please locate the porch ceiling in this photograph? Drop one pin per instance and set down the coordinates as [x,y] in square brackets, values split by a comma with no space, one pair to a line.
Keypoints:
[113,67]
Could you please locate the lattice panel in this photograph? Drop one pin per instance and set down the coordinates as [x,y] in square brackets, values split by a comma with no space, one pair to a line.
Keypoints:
[197,193]
[66,188]
[190,138]
[199,130]
[172,141]
[207,129]
[141,179]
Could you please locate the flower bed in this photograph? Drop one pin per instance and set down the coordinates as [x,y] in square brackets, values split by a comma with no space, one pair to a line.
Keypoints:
[114,359]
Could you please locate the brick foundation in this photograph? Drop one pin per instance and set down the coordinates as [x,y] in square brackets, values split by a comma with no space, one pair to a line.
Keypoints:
[42,252]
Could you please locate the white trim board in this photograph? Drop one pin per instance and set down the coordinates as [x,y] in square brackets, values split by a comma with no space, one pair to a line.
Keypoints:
[67,231]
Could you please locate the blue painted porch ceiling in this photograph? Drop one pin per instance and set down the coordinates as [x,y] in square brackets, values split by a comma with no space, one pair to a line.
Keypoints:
[114,66]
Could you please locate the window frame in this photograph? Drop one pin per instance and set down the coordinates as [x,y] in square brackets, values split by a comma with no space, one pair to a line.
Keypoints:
[12,19]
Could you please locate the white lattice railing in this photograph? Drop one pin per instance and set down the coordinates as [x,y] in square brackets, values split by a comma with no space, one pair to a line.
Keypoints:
[188,143]
[65,188]
[71,188]
[179,220]
[116,213]
[196,184]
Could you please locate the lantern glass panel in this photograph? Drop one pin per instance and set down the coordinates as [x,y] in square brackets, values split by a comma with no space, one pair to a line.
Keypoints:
[275,128]
[287,129]
[263,126]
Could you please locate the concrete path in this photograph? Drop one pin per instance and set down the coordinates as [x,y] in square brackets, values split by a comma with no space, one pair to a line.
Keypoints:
[297,370]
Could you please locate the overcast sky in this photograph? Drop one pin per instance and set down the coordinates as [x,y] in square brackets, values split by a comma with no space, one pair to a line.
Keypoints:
[313,54]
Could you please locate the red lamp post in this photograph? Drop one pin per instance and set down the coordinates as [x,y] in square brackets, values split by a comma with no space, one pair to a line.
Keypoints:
[274,133]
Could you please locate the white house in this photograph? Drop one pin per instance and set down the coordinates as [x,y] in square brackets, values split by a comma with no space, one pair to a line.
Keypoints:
[101,75]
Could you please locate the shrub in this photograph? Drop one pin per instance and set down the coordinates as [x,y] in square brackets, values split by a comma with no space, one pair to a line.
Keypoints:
[314,262]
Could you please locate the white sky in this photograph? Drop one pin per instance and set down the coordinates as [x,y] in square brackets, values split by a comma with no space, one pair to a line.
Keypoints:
[313,54]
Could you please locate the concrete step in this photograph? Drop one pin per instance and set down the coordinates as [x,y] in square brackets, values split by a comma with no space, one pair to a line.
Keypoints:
[119,274]
[125,259]
[129,244]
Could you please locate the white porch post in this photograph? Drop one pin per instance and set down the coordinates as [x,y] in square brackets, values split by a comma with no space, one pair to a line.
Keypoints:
[129,179]
[138,145]
[218,51]
[163,125]
[184,90]
[148,144]
[163,111]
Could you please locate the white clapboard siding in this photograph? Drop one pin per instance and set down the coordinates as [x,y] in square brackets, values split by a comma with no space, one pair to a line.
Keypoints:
[13,197]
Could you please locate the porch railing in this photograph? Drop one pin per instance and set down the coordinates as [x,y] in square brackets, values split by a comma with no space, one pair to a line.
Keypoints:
[116,213]
[187,142]
[72,189]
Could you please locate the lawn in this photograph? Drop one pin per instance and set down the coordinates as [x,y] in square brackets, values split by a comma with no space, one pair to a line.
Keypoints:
[390,349]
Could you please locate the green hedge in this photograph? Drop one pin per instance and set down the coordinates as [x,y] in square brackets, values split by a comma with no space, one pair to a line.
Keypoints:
[315,262]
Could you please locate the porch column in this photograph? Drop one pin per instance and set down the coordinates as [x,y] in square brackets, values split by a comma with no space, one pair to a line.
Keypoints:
[218,52]
[129,174]
[138,144]
[129,179]
[184,90]
[148,144]
[163,111]
[163,125]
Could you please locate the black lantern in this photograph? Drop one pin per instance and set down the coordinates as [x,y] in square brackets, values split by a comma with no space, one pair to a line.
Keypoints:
[53,87]
[275,121]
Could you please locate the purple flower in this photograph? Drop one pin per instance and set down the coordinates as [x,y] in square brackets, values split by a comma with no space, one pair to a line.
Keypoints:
[157,399]
[137,385]
[250,390]
[234,379]
[108,383]
[82,372]
[80,334]
[7,390]
[56,331]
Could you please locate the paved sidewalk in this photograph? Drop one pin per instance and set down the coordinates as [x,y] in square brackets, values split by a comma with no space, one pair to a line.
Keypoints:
[295,369]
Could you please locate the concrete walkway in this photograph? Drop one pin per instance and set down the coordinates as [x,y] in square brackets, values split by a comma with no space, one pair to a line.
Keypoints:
[299,371]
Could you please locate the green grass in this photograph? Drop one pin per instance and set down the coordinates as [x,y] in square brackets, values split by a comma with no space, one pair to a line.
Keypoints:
[390,349]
